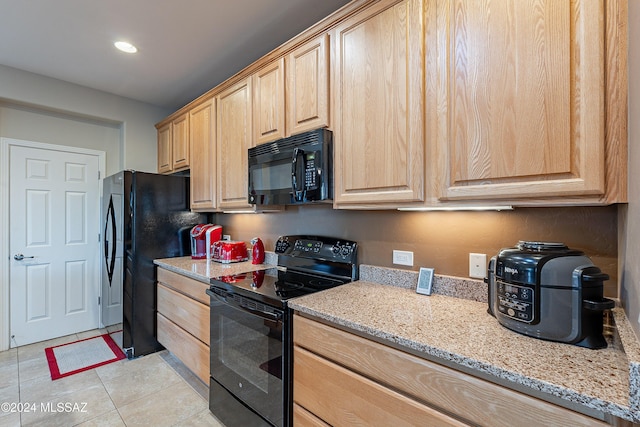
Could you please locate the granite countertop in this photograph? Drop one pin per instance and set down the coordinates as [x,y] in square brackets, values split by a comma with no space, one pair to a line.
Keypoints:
[461,334]
[203,270]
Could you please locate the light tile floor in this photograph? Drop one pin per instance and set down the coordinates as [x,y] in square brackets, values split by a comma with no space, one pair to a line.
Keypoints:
[153,390]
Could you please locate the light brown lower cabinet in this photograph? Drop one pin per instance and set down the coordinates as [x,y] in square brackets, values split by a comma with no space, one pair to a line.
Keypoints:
[304,418]
[183,320]
[343,379]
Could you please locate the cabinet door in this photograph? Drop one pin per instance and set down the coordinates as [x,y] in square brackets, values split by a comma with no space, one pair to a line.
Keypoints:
[203,156]
[189,350]
[233,141]
[268,103]
[339,396]
[165,162]
[521,99]
[180,142]
[307,71]
[379,104]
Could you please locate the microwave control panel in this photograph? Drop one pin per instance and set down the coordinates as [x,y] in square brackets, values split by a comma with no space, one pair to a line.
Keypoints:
[516,301]
[311,175]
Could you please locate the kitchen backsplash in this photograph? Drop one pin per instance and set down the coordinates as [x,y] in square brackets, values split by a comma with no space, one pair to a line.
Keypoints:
[441,240]
[458,287]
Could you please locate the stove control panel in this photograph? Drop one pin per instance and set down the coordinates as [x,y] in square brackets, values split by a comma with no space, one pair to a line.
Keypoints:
[317,247]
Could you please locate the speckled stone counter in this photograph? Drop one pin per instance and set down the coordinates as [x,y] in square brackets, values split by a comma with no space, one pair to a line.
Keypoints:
[203,270]
[459,333]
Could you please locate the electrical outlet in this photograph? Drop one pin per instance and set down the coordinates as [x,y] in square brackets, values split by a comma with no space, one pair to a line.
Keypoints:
[403,258]
[226,237]
[477,265]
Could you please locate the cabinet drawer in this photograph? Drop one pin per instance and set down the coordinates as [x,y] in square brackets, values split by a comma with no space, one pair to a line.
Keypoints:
[304,418]
[470,398]
[192,288]
[341,397]
[192,352]
[190,315]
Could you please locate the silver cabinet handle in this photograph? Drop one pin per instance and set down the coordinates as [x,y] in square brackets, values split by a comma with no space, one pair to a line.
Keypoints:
[20,257]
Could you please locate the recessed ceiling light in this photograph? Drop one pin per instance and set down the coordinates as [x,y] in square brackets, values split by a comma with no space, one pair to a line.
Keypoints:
[126,47]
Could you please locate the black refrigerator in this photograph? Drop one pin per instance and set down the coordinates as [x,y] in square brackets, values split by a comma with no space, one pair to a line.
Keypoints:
[145,216]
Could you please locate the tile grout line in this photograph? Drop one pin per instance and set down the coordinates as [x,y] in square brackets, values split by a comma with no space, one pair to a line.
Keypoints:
[110,398]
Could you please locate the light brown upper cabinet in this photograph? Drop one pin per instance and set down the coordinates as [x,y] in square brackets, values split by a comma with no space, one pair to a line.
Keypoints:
[307,86]
[291,94]
[180,142]
[233,140]
[173,145]
[269,103]
[203,156]
[438,103]
[165,162]
[379,73]
[522,103]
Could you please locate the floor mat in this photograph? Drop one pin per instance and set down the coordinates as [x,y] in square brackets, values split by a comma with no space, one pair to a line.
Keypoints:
[82,355]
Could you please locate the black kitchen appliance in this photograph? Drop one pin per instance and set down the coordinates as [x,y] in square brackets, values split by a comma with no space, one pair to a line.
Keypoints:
[548,291]
[146,216]
[293,170]
[251,331]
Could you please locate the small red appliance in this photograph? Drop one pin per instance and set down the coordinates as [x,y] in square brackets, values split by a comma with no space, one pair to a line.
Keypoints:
[202,235]
[257,251]
[227,251]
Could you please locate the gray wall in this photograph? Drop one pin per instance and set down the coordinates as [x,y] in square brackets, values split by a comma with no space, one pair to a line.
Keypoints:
[630,215]
[33,124]
[42,109]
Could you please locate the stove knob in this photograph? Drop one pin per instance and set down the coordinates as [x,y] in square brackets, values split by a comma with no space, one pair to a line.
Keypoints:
[335,249]
[346,250]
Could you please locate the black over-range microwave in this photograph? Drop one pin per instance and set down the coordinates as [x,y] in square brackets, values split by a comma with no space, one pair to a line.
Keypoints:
[293,170]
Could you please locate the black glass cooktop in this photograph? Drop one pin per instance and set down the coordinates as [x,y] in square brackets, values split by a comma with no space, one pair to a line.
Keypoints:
[275,290]
[306,264]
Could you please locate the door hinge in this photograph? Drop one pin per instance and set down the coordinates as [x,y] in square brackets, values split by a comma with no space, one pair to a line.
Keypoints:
[98,175]
[98,300]
[98,237]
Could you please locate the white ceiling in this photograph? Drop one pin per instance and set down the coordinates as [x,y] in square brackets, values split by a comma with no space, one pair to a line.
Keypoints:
[185,47]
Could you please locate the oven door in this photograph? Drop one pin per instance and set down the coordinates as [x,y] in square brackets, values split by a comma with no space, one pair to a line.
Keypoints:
[247,353]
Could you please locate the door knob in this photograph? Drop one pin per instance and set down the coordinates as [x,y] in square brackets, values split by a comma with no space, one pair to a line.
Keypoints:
[20,257]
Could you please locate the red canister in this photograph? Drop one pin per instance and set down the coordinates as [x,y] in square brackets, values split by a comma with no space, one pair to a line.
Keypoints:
[257,252]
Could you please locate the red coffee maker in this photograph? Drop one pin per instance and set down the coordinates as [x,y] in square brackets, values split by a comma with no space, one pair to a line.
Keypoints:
[202,236]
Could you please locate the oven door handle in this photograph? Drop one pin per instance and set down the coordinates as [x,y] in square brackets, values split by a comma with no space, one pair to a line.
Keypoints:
[258,313]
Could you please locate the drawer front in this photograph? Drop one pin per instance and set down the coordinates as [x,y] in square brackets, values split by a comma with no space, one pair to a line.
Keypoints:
[304,418]
[192,352]
[341,397]
[478,401]
[184,284]
[190,315]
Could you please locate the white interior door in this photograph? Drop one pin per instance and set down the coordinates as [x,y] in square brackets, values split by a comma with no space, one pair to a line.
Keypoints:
[54,278]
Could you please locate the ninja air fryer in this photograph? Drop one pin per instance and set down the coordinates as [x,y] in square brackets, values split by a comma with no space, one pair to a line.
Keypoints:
[548,291]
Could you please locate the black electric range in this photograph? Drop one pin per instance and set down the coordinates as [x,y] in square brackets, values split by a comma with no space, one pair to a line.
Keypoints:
[251,331]
[306,264]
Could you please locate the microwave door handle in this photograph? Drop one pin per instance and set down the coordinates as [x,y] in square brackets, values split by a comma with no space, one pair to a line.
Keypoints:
[297,174]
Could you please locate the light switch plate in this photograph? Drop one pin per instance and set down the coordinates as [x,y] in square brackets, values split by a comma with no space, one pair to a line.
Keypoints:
[403,258]
[477,265]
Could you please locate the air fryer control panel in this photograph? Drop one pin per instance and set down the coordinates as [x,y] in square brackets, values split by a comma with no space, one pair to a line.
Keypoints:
[516,301]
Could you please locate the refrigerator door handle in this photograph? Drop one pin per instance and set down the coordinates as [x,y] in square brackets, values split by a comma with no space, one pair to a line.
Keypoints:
[110,263]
